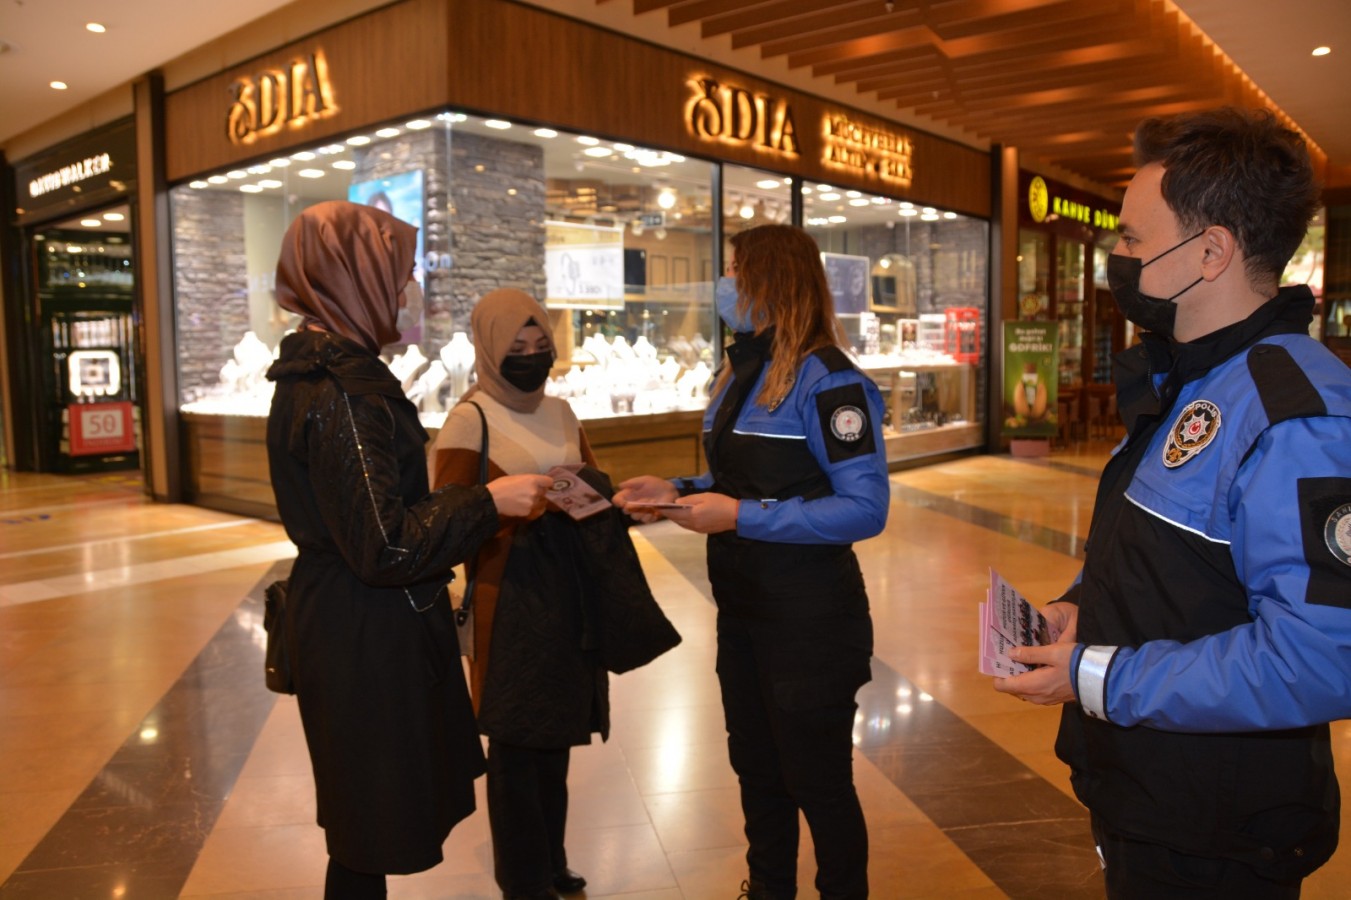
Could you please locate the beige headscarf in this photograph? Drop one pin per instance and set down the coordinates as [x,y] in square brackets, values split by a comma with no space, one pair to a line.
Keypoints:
[498,316]
[343,267]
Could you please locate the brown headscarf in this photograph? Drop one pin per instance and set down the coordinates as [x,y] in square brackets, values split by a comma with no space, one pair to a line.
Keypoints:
[498,316]
[343,267]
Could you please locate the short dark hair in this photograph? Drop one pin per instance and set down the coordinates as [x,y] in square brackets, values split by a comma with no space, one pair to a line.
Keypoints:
[1239,168]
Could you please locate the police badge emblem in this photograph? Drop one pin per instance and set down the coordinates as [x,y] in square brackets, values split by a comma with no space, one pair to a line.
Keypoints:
[1192,431]
[847,423]
[1337,533]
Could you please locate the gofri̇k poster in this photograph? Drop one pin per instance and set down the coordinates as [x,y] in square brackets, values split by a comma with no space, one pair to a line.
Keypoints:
[1030,379]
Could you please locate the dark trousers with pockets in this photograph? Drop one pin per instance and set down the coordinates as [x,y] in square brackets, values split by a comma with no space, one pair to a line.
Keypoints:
[527,815]
[788,691]
[1137,870]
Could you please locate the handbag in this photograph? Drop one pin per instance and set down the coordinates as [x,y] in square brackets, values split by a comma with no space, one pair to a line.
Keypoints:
[464,612]
[276,664]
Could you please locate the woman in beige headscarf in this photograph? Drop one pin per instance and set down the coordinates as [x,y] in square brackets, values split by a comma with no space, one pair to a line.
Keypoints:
[368,628]
[528,433]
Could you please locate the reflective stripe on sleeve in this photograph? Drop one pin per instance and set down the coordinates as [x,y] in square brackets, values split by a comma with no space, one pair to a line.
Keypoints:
[1091,680]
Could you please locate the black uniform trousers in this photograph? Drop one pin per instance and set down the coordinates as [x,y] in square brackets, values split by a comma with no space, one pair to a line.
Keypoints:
[1136,870]
[527,815]
[788,689]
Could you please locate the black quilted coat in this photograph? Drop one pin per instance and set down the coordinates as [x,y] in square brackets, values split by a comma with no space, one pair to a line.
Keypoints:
[382,697]
[573,604]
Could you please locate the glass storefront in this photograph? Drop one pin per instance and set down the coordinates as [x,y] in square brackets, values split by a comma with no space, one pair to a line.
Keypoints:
[910,286]
[616,240]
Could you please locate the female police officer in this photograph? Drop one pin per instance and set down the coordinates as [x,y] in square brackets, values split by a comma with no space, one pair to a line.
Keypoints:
[797,473]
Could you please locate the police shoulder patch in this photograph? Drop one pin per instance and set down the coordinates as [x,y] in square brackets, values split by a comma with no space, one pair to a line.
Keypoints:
[845,425]
[1192,431]
[1325,523]
[1337,533]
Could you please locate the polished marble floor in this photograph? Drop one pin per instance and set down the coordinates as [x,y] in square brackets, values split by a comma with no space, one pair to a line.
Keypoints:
[140,756]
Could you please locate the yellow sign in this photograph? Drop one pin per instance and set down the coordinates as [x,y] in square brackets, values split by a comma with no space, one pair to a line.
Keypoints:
[734,115]
[866,150]
[1038,199]
[268,101]
[1042,206]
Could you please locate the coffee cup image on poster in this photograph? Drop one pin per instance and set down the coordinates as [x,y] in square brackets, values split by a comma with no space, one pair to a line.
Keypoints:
[400,195]
[1030,374]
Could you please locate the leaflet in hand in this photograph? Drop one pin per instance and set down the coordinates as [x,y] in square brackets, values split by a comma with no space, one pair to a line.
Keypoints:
[572,494]
[1007,620]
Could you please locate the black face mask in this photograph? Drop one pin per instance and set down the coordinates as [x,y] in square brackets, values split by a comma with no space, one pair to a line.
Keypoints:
[527,371]
[1156,314]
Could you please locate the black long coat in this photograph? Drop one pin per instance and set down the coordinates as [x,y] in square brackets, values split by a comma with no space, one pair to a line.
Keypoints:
[382,697]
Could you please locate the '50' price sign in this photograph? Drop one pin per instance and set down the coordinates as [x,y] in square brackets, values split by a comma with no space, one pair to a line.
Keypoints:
[101,428]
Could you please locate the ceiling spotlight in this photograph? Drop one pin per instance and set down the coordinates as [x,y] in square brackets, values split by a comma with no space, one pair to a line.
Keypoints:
[94,27]
[1321,51]
[666,199]
[91,223]
[113,217]
[747,211]
[59,85]
[499,124]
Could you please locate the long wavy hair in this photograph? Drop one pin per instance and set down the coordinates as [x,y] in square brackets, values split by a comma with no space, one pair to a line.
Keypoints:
[781,284]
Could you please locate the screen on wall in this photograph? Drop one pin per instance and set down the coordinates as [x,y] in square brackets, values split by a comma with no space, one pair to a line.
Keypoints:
[401,196]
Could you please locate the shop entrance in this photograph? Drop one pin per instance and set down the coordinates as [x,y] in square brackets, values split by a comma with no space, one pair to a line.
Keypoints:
[90,381]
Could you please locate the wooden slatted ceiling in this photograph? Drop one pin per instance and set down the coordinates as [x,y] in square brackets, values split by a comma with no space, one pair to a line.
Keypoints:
[1065,81]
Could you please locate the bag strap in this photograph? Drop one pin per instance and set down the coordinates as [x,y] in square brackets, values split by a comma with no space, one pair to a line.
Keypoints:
[467,604]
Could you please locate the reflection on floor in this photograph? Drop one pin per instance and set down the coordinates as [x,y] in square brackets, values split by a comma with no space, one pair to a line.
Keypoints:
[141,757]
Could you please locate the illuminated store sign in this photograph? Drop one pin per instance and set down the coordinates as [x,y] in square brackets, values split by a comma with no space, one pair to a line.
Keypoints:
[265,102]
[1043,205]
[71,174]
[723,112]
[866,150]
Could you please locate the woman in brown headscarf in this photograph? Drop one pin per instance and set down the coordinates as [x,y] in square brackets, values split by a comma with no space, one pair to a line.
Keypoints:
[387,719]
[558,694]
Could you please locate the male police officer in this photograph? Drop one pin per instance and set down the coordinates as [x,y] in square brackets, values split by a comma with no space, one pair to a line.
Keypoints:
[1207,641]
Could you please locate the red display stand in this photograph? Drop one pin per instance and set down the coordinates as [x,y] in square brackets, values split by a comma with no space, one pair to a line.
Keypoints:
[961,334]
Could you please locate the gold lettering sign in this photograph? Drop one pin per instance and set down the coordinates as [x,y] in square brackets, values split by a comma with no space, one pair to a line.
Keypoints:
[734,115]
[268,101]
[866,150]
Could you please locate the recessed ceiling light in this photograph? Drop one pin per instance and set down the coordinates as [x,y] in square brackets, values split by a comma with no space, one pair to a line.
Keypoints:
[830,196]
[197,184]
[269,184]
[598,151]
[250,188]
[237,174]
[59,85]
[949,215]
[546,133]
[91,223]
[499,124]
[280,163]
[588,140]
[311,173]
[359,141]
[94,27]
[387,132]
[623,148]
[218,179]
[768,184]
[344,164]
[1321,51]
[417,125]
[303,156]
[113,217]
[909,211]
[859,201]
[837,220]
